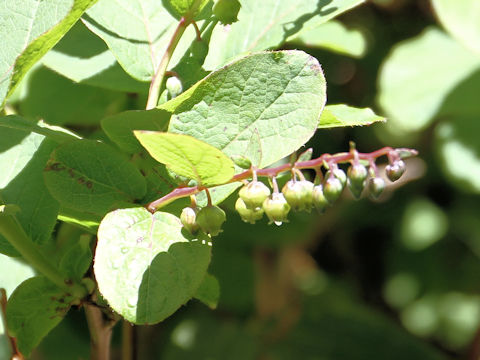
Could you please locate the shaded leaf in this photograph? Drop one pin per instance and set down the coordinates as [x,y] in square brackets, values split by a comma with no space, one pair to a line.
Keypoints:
[138,34]
[145,267]
[77,259]
[209,291]
[24,154]
[12,273]
[119,127]
[188,157]
[343,115]
[54,133]
[35,308]
[59,101]
[90,176]
[84,58]
[29,29]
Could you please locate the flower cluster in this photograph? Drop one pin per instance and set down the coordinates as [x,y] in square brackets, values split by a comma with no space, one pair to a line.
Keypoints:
[298,194]
[302,195]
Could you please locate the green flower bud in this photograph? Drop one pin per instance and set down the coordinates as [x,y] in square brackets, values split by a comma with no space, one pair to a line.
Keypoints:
[248,215]
[319,199]
[339,174]
[356,191]
[357,174]
[376,185]
[395,170]
[174,86]
[332,188]
[254,194]
[299,194]
[210,219]
[276,208]
[188,219]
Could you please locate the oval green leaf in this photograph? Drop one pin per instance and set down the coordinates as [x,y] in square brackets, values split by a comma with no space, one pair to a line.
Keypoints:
[145,267]
[35,308]
[90,176]
[188,157]
[275,96]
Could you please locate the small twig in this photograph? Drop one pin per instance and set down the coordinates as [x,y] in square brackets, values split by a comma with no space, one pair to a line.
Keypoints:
[197,31]
[157,79]
[128,341]
[16,354]
[209,197]
[100,332]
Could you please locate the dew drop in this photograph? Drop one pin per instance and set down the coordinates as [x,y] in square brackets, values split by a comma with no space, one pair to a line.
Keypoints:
[124,250]
[278,223]
[115,265]
[132,301]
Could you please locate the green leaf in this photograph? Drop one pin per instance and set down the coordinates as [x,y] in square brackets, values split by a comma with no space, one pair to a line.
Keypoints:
[334,36]
[461,19]
[84,58]
[58,100]
[343,115]
[138,34]
[119,127]
[179,8]
[277,95]
[87,221]
[145,267]
[12,273]
[188,157]
[53,133]
[29,29]
[419,74]
[23,155]
[263,107]
[77,259]
[209,291]
[267,24]
[90,176]
[35,308]
[457,149]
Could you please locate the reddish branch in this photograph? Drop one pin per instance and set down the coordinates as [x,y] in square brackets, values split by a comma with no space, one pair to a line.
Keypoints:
[16,355]
[324,160]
